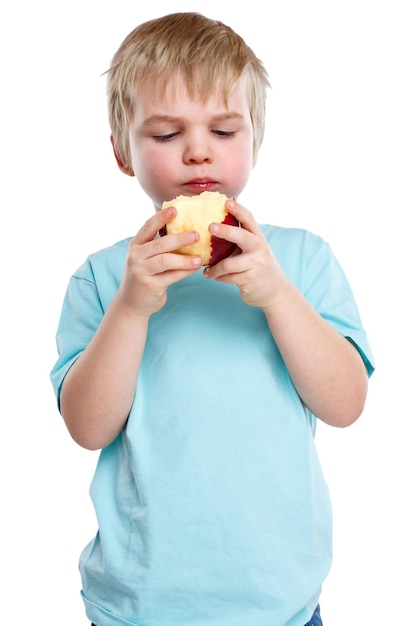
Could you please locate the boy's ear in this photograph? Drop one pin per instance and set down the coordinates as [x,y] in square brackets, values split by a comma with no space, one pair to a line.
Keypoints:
[124,167]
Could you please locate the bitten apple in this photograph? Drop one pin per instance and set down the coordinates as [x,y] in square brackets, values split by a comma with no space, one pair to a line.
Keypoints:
[196,213]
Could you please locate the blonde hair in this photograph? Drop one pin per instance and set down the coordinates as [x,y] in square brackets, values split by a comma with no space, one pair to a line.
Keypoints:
[205,52]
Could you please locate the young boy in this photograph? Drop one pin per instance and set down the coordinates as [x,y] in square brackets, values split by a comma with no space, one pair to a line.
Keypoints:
[201,386]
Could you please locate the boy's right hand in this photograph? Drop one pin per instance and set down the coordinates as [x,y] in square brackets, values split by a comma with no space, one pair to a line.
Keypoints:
[152,265]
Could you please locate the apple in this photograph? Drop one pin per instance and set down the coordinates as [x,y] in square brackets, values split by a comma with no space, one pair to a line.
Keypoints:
[196,213]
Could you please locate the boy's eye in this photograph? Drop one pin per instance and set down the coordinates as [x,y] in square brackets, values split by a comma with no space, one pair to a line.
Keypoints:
[170,136]
[224,133]
[166,137]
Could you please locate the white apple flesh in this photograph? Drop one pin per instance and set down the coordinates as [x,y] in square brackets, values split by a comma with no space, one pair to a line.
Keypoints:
[196,213]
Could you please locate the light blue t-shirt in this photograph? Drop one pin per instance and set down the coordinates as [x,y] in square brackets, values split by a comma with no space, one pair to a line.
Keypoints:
[211,503]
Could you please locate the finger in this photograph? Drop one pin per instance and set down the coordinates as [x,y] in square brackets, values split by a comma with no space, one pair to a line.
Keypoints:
[228,269]
[172,263]
[153,225]
[171,243]
[243,216]
[247,241]
[162,247]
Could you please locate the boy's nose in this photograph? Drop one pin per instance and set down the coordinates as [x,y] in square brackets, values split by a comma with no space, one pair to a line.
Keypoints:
[197,152]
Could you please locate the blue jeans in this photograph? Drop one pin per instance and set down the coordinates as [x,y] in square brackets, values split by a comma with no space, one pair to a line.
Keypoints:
[314,621]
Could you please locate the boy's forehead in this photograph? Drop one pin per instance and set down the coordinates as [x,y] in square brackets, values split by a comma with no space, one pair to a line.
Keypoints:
[165,90]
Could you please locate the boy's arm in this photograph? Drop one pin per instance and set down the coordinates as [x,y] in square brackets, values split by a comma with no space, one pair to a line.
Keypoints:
[326,369]
[99,388]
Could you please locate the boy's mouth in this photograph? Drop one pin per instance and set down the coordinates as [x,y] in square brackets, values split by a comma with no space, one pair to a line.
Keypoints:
[201,184]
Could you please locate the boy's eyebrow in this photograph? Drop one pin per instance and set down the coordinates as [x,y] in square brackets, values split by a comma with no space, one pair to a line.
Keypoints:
[155,119]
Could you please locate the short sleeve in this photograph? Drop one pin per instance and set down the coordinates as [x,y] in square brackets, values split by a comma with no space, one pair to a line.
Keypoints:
[81,314]
[311,265]
[89,293]
[328,290]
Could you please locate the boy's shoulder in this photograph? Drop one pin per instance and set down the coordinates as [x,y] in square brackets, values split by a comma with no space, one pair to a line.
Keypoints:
[113,250]
[103,268]
[291,233]
[290,245]
[290,239]
[109,256]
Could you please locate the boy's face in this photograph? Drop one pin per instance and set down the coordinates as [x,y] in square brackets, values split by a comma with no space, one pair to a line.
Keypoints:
[181,146]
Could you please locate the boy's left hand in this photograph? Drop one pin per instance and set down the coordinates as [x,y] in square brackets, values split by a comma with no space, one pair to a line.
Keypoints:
[255,270]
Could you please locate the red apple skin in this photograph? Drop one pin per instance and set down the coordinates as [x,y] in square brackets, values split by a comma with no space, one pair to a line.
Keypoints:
[221,248]
[211,249]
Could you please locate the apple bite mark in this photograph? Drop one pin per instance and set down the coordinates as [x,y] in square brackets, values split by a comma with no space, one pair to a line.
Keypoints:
[196,213]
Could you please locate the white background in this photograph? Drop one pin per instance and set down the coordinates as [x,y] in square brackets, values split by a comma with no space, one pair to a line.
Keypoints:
[339,159]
